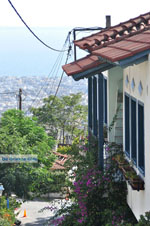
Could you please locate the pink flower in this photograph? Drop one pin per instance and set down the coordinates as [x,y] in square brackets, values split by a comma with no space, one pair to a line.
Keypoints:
[89,182]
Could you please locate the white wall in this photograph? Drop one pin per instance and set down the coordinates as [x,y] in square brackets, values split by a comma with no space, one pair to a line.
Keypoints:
[115,76]
[140,201]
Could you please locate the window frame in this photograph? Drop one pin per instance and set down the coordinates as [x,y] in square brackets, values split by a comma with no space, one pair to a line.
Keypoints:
[105,82]
[131,131]
[128,132]
[138,135]
[142,170]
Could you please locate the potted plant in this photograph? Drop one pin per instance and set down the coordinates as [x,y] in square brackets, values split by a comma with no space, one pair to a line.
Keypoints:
[120,159]
[127,171]
[134,180]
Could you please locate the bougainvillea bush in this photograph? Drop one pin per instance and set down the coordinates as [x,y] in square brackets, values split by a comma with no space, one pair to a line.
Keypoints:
[99,196]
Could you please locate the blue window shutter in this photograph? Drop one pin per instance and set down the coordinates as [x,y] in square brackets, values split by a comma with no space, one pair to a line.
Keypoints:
[105,100]
[141,160]
[100,121]
[95,106]
[133,131]
[127,125]
[89,104]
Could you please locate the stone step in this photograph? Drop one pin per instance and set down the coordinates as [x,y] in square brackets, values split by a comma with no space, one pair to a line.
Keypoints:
[119,139]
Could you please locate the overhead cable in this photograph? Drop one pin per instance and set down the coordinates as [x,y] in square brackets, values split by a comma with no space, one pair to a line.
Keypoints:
[32,31]
[61,75]
[7,93]
[55,69]
[56,65]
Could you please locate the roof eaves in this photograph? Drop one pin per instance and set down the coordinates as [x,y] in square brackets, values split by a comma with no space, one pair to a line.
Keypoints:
[136,59]
[93,71]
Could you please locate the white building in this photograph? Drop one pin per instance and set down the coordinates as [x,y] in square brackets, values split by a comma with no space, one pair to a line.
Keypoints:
[124,51]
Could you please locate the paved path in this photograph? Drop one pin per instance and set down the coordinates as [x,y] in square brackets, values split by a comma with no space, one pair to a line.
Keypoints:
[34,217]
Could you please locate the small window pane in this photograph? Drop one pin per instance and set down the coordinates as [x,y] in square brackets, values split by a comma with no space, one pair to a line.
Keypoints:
[127,125]
[133,131]
[141,137]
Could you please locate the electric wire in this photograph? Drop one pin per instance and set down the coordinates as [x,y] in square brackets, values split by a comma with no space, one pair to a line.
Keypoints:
[68,54]
[32,31]
[7,93]
[61,75]
[55,66]
[57,62]
[57,69]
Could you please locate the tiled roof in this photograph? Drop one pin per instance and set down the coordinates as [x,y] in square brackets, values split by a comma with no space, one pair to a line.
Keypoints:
[59,163]
[125,48]
[115,33]
[82,65]
[113,44]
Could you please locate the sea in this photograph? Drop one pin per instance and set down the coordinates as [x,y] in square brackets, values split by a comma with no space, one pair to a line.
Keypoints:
[21,54]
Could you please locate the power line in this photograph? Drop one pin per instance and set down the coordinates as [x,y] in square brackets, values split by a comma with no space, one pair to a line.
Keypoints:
[55,66]
[7,93]
[68,54]
[62,75]
[46,81]
[32,31]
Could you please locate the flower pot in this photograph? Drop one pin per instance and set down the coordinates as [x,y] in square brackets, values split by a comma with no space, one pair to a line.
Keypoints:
[136,184]
[127,171]
[121,161]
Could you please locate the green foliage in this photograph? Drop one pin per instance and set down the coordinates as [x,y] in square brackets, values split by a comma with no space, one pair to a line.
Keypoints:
[66,114]
[7,216]
[144,220]
[99,196]
[22,135]
[64,149]
[59,181]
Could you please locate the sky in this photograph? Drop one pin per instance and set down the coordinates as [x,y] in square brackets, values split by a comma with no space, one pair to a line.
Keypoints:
[22,55]
[72,13]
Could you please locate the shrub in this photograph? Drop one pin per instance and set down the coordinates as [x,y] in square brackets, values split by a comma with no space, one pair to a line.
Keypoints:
[7,216]
[144,219]
[99,196]
[64,149]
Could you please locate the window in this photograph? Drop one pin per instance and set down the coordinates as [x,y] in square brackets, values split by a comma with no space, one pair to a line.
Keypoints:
[127,125]
[141,137]
[105,100]
[134,131]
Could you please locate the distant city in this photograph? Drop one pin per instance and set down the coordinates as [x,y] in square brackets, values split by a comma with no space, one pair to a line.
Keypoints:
[25,64]
[34,89]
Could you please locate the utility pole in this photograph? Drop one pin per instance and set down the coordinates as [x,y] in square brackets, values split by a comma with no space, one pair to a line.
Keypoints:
[108,21]
[108,24]
[20,99]
[82,29]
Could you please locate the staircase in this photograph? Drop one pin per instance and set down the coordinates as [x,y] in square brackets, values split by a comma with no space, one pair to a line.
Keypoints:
[119,121]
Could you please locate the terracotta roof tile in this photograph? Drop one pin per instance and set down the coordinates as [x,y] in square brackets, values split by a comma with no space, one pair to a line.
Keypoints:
[125,48]
[106,35]
[113,44]
[82,65]
[112,54]
[59,163]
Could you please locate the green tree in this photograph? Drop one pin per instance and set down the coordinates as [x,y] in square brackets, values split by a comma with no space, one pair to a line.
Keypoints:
[63,114]
[22,135]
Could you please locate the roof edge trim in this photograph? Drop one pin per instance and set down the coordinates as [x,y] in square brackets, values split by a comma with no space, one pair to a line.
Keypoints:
[134,59]
[90,72]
